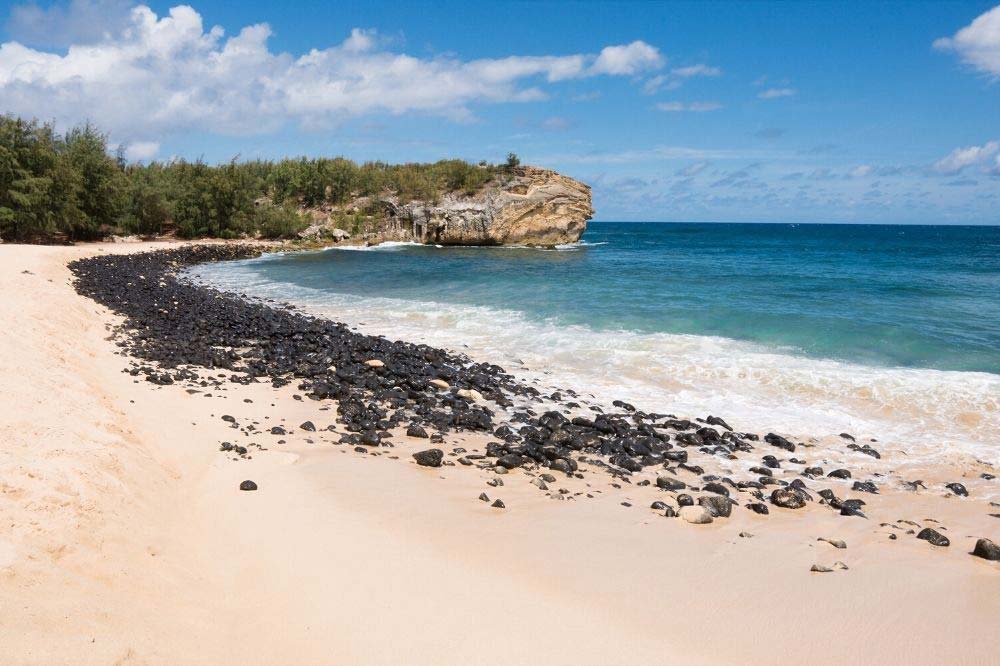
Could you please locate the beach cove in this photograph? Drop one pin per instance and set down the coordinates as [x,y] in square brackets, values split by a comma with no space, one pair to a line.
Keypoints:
[126,537]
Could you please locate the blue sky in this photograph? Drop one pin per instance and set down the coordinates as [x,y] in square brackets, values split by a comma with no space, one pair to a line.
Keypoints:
[771,112]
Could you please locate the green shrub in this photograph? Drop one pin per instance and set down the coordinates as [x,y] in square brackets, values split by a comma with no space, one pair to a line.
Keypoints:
[52,184]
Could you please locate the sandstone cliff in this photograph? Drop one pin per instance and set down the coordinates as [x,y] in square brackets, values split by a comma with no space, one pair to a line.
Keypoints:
[524,206]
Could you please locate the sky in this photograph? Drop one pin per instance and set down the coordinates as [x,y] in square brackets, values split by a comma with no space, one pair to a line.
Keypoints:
[715,112]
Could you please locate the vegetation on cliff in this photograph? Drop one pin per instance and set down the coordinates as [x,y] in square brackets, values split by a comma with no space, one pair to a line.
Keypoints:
[69,186]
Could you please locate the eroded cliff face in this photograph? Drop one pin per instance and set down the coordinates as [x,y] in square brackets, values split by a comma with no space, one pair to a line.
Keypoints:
[526,206]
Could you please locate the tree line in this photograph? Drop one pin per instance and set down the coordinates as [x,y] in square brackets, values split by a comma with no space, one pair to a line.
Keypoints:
[70,186]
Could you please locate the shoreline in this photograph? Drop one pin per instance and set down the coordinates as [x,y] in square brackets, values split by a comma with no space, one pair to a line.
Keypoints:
[415,542]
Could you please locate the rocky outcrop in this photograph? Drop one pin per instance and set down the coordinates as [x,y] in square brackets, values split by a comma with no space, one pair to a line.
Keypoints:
[523,206]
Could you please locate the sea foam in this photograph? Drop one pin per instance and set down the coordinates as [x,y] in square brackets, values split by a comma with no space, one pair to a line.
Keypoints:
[931,415]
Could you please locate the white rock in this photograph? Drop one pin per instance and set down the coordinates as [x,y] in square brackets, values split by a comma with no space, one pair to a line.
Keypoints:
[698,515]
[470,394]
[439,383]
[374,363]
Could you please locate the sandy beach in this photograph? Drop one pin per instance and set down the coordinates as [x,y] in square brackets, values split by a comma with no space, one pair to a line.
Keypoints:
[124,537]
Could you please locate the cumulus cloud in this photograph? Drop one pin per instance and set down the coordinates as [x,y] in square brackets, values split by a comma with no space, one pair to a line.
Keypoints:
[977,44]
[774,93]
[628,59]
[960,158]
[698,107]
[160,74]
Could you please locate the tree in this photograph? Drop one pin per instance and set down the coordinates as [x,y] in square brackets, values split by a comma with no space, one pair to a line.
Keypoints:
[513,161]
[100,186]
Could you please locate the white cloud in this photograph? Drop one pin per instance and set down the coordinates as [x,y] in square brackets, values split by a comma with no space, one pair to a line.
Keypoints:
[677,76]
[627,60]
[960,158]
[860,171]
[696,70]
[978,44]
[142,151]
[693,106]
[79,22]
[774,93]
[161,74]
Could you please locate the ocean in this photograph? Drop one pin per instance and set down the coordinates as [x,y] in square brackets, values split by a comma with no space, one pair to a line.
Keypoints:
[886,332]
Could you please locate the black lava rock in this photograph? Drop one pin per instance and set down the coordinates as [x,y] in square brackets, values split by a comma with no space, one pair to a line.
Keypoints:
[429,458]
[248,485]
[931,535]
[779,441]
[788,498]
[716,488]
[987,550]
[415,430]
[958,489]
[667,483]
[718,505]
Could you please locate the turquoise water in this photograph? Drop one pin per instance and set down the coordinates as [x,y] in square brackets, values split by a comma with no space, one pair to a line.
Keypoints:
[923,297]
[884,328]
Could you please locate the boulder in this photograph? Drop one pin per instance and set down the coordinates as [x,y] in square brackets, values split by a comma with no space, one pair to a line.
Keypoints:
[429,458]
[697,515]
[987,550]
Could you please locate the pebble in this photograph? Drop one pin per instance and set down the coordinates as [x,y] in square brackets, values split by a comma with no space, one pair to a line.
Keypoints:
[836,543]
[248,485]
[498,504]
[934,537]
[958,489]
[470,394]
[375,363]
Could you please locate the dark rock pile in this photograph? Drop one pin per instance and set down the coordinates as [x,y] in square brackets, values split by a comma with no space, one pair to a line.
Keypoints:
[178,330]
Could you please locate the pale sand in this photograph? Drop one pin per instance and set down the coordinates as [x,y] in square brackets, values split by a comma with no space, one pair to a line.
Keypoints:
[124,539]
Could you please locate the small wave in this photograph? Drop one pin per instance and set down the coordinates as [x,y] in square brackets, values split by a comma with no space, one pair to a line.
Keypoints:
[931,414]
[386,245]
[397,245]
